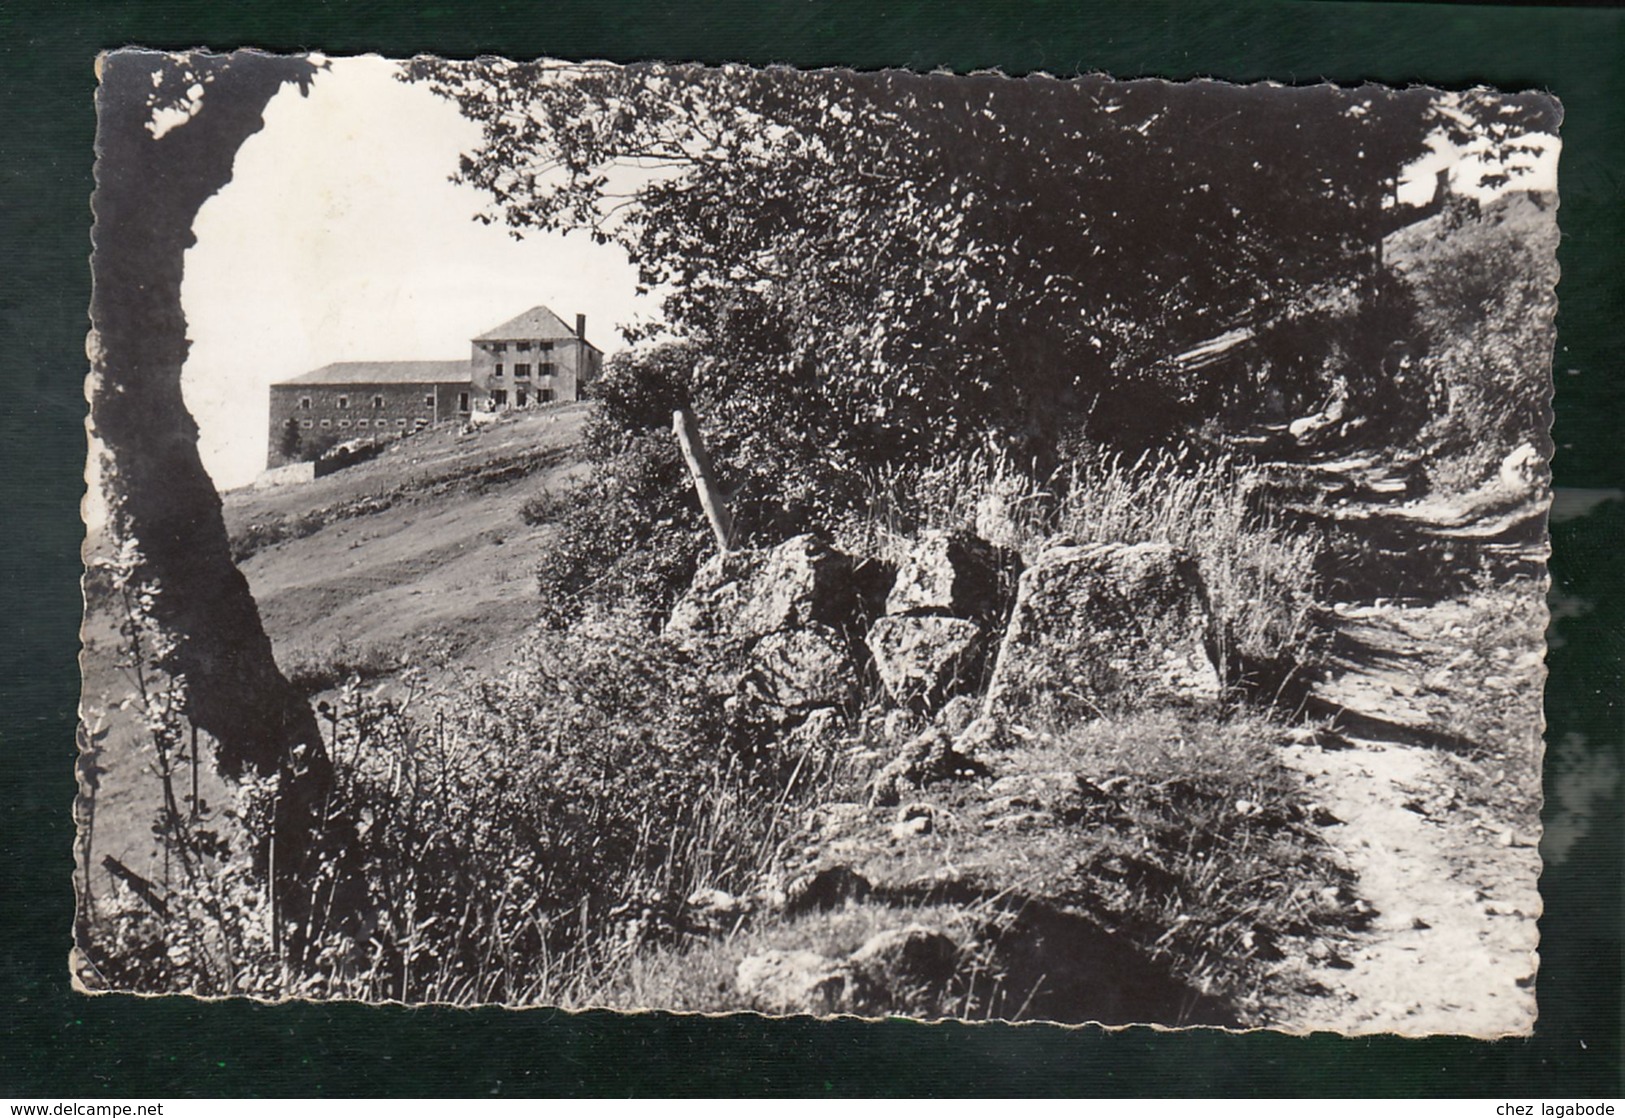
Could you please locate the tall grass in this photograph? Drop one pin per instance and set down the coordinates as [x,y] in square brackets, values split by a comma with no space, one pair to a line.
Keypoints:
[523,838]
[1260,576]
[1208,852]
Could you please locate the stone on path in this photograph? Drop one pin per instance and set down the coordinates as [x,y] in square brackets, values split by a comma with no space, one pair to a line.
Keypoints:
[1103,629]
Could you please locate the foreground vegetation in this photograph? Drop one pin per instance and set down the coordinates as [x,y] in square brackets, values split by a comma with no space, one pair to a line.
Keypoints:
[537,840]
[558,833]
[538,837]
[614,820]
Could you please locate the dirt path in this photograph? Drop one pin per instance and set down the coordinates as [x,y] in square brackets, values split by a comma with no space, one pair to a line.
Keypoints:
[1452,933]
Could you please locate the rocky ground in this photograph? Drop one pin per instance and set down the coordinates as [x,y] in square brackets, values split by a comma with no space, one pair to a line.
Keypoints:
[1373,869]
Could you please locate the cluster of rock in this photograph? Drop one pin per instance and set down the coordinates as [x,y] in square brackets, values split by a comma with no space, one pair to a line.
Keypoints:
[1083,631]
[969,649]
[792,608]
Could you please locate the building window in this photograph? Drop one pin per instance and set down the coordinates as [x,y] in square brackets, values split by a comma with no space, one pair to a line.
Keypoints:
[519,398]
[545,369]
[428,401]
[545,347]
[304,403]
[327,423]
[522,347]
[521,370]
[545,396]
[361,423]
[377,401]
[400,423]
[306,424]
[344,401]
[499,347]
[499,370]
[344,424]
[462,401]
[499,397]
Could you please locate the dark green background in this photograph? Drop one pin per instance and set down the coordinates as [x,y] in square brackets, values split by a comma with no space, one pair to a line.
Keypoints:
[58,1044]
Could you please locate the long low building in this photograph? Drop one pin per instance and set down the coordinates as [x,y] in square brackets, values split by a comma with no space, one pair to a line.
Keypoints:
[530,360]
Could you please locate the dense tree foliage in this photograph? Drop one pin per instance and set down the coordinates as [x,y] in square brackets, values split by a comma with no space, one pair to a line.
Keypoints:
[885,265]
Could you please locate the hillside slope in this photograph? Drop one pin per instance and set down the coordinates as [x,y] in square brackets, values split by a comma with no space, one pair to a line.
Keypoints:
[422,548]
[417,558]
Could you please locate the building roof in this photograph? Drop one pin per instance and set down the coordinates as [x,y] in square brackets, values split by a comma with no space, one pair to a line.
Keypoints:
[538,322]
[386,372]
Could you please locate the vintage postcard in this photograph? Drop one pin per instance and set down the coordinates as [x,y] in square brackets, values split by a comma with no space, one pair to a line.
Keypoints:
[718,539]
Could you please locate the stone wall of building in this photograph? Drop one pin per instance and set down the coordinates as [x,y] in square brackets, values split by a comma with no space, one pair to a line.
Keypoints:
[523,373]
[325,414]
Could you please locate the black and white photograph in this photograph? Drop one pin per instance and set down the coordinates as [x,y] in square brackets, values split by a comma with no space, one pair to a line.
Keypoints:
[726,539]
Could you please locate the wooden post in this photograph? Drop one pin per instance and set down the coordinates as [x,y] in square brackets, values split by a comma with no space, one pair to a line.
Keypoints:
[712,501]
[194,773]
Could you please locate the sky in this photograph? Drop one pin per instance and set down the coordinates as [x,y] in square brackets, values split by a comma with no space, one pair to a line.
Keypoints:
[1467,165]
[339,238]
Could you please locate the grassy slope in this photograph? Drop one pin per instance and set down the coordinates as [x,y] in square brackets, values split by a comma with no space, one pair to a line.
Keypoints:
[446,567]
[442,566]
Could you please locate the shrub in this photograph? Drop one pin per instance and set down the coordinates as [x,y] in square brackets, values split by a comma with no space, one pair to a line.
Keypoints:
[545,824]
[629,538]
[274,529]
[328,667]
[782,479]
[1484,282]
[637,395]
[550,505]
[202,926]
[287,444]
[351,452]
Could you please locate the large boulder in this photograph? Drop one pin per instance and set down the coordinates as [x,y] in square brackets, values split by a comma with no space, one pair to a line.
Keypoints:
[923,660]
[1102,629]
[748,594]
[954,574]
[805,668]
